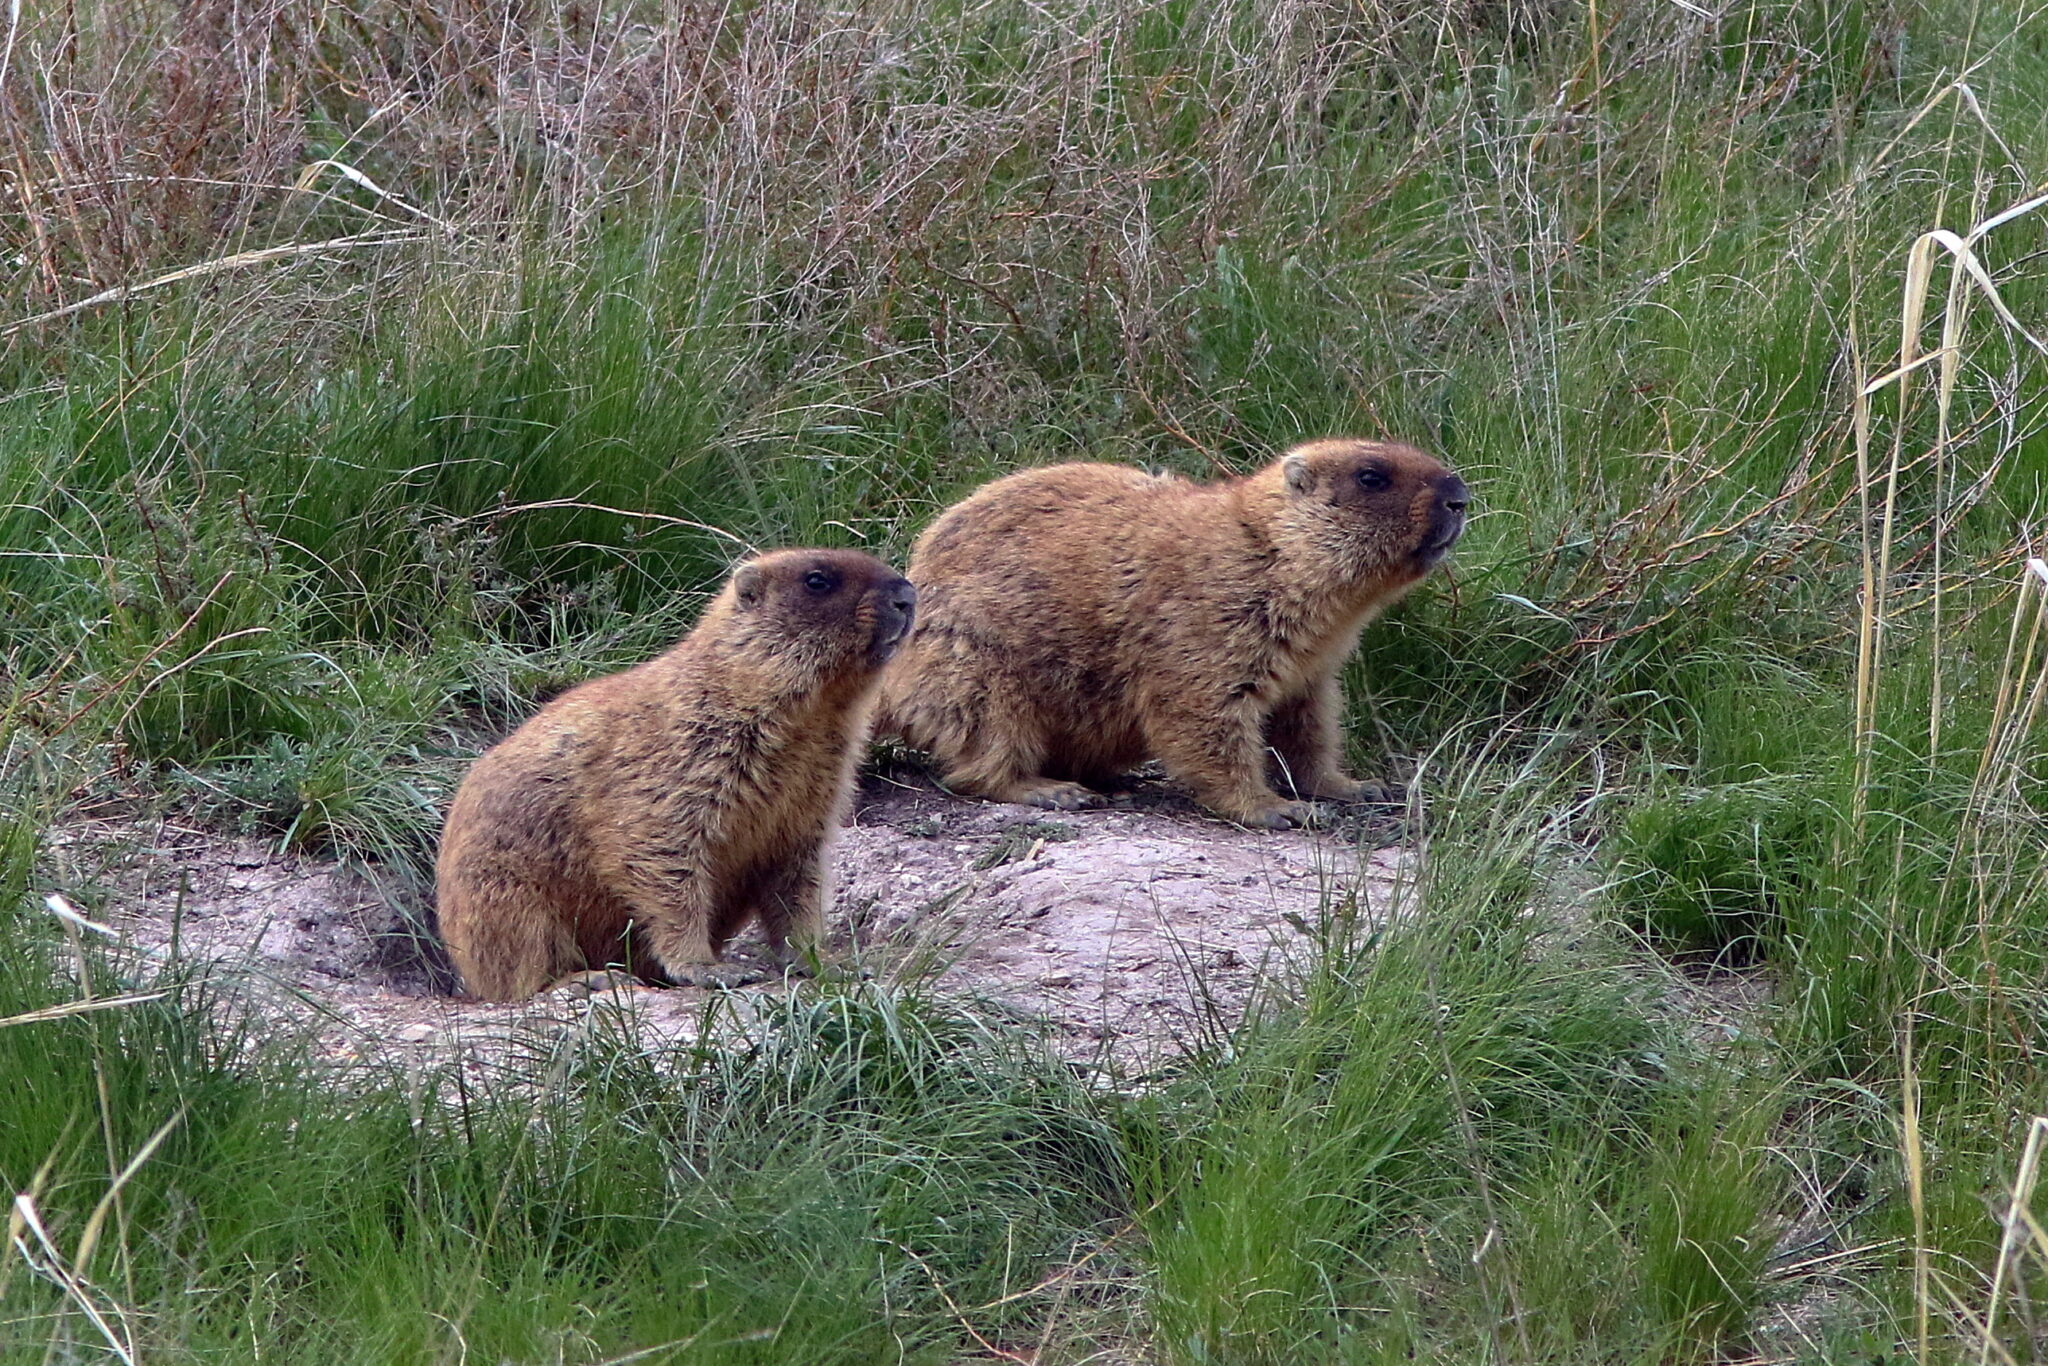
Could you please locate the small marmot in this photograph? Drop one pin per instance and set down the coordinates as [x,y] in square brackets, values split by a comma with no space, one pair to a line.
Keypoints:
[1076,619]
[638,820]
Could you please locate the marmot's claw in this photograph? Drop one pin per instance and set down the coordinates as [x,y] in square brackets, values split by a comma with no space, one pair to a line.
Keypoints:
[1063,797]
[1342,790]
[723,976]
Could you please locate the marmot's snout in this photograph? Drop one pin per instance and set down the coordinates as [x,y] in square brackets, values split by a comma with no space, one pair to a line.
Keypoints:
[1446,518]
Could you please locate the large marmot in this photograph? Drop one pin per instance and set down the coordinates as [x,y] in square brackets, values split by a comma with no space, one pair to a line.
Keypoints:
[637,821]
[1075,619]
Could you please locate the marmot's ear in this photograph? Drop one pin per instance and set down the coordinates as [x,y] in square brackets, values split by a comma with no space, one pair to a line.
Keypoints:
[1300,478]
[749,584]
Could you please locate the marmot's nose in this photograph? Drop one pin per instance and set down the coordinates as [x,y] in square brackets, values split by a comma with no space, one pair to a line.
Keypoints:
[903,597]
[1452,493]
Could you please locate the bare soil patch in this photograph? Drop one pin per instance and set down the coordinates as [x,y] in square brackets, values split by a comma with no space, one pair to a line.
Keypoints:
[1130,933]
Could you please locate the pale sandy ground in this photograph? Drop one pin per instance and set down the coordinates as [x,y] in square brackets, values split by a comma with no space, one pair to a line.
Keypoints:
[1128,934]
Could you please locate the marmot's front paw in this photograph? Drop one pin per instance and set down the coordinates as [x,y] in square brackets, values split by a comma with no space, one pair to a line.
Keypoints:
[581,985]
[1341,789]
[1285,816]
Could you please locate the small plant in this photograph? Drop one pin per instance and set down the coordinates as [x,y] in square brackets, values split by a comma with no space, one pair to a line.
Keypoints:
[1705,870]
[356,796]
[1703,1234]
[1020,841]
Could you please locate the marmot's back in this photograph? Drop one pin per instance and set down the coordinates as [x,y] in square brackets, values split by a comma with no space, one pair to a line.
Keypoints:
[1006,545]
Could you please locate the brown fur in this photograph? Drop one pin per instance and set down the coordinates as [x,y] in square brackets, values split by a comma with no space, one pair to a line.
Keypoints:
[1076,619]
[640,819]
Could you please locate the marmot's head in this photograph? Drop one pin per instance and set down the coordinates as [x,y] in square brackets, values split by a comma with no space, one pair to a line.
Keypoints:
[1379,508]
[836,609]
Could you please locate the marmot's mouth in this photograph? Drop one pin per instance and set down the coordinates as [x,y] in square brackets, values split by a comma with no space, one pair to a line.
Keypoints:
[895,609]
[890,632]
[1439,543]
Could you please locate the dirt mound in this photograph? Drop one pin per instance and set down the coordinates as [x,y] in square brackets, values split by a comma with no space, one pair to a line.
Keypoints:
[1138,930]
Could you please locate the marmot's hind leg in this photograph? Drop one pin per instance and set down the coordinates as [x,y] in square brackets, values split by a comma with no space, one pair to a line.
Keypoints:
[1004,760]
[507,945]
[1053,794]
[1004,777]
[983,732]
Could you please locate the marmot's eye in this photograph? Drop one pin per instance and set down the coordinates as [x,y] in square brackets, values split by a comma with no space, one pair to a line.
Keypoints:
[1374,479]
[819,582]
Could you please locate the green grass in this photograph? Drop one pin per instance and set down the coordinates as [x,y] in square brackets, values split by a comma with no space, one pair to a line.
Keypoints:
[282,544]
[815,1196]
[865,1171]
